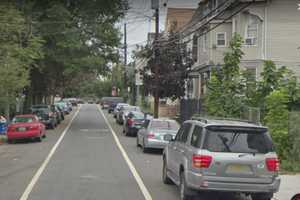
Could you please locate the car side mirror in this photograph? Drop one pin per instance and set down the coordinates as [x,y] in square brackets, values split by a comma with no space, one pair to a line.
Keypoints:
[168,137]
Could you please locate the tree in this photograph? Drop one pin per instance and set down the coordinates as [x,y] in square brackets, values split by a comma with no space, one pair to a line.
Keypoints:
[225,94]
[18,50]
[80,40]
[277,120]
[169,79]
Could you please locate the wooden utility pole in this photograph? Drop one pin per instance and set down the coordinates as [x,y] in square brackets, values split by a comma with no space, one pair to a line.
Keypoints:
[125,61]
[157,88]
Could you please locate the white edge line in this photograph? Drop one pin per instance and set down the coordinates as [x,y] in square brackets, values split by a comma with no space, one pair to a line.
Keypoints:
[37,175]
[128,161]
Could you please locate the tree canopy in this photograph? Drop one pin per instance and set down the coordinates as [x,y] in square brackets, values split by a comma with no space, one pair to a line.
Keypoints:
[51,46]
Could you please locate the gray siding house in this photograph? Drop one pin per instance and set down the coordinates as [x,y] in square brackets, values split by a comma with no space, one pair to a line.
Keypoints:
[270,28]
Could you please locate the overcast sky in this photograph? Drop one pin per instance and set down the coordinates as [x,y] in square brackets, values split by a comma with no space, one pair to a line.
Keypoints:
[139,21]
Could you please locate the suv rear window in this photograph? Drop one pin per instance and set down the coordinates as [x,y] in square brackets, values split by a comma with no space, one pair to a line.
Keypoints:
[238,141]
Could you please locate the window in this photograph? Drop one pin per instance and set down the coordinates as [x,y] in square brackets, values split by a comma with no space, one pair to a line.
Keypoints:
[186,132]
[183,133]
[221,39]
[196,136]
[238,141]
[252,30]
[195,48]
[167,125]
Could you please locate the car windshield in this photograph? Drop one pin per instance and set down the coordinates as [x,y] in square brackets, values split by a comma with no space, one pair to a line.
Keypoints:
[39,106]
[137,115]
[130,108]
[41,110]
[168,125]
[238,141]
[22,120]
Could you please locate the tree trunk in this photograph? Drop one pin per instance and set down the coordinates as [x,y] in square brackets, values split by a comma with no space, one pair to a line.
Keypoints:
[156,105]
[7,111]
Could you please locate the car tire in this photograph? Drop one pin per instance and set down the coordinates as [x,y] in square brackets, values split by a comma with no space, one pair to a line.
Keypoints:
[137,141]
[267,196]
[44,136]
[184,193]
[39,138]
[126,133]
[144,148]
[10,141]
[165,177]
[52,126]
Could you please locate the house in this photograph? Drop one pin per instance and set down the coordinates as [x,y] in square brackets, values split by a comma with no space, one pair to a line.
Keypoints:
[270,29]
[177,18]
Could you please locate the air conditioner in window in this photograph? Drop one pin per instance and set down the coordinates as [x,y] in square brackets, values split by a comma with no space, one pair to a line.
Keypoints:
[250,41]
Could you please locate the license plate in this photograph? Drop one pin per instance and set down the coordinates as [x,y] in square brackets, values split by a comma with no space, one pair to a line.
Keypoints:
[236,168]
[22,129]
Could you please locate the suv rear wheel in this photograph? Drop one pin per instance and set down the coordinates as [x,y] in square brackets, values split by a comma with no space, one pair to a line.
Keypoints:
[184,194]
[266,196]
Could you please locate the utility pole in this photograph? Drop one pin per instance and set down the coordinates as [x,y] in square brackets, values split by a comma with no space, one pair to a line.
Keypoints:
[155,5]
[125,61]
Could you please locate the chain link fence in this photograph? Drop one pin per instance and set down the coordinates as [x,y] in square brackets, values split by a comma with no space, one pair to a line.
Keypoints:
[251,114]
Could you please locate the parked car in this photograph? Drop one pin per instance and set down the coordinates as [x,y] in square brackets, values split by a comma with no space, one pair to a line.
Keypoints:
[73,101]
[151,136]
[133,123]
[59,113]
[25,126]
[107,101]
[118,107]
[45,115]
[224,156]
[3,125]
[63,106]
[124,110]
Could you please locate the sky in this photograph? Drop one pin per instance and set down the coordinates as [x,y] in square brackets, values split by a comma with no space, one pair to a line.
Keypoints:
[139,23]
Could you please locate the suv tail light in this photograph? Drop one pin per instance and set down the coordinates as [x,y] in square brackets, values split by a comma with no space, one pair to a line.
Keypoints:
[272,164]
[130,122]
[201,161]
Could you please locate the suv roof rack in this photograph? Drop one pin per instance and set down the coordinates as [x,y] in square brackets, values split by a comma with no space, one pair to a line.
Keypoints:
[206,120]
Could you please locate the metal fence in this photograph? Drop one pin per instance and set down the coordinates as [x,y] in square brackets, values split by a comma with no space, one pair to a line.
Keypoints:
[190,107]
[251,114]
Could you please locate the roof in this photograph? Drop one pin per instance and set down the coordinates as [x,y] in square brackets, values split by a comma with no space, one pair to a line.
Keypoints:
[163,119]
[27,115]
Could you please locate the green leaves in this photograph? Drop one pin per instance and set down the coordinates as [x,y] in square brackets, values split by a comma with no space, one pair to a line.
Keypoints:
[167,76]
[18,51]
[224,98]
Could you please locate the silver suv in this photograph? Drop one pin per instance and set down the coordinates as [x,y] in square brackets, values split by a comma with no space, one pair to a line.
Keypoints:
[222,155]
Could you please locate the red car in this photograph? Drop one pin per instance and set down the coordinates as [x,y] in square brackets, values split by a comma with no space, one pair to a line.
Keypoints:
[26,126]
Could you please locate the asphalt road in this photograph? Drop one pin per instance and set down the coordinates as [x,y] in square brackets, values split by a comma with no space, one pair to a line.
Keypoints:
[19,162]
[89,165]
